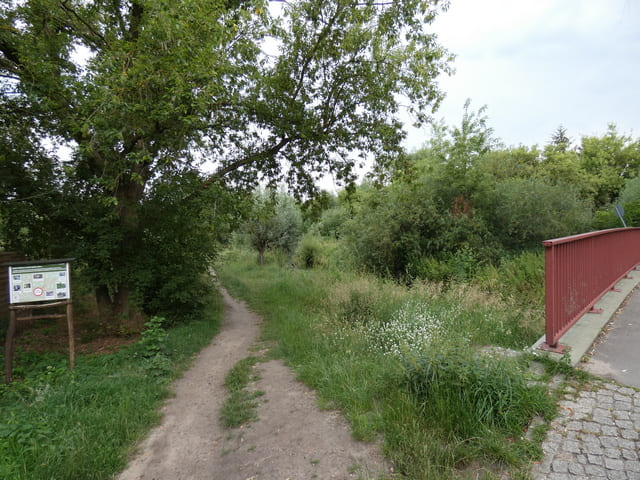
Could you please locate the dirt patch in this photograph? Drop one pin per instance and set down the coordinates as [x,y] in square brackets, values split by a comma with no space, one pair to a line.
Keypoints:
[52,335]
[292,439]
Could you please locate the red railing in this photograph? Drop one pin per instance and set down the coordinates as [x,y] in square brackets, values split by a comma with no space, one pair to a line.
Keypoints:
[580,269]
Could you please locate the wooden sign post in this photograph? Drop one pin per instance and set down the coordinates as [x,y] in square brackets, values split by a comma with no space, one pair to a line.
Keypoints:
[35,286]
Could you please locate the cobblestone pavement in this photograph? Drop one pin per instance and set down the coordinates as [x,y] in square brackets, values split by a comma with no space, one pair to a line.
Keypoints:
[596,436]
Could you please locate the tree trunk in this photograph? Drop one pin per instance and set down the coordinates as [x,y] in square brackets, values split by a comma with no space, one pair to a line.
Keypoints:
[115,312]
[261,257]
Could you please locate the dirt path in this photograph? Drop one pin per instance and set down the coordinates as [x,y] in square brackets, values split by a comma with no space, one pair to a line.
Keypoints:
[292,440]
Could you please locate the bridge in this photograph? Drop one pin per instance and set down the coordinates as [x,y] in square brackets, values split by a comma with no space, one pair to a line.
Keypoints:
[595,269]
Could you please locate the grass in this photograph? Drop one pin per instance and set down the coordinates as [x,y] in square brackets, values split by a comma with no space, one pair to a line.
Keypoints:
[240,406]
[441,409]
[82,424]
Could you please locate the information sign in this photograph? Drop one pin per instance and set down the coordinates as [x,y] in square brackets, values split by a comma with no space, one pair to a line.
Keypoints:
[39,283]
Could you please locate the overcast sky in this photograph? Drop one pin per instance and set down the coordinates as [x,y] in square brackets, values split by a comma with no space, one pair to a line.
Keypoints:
[537,64]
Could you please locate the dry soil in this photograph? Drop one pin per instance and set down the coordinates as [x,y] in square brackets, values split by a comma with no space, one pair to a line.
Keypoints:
[292,440]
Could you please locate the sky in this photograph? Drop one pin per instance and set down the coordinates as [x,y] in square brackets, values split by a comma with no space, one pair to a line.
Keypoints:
[539,64]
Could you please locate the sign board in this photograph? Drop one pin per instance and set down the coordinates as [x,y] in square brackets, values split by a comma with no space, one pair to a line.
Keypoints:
[43,282]
[619,209]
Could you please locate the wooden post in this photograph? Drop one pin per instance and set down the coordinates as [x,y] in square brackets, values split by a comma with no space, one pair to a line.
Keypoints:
[72,354]
[8,347]
[26,282]
[13,318]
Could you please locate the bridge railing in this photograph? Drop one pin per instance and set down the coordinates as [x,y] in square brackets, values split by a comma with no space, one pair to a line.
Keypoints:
[580,269]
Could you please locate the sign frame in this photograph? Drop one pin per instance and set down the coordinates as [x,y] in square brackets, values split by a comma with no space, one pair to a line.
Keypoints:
[45,276]
[39,281]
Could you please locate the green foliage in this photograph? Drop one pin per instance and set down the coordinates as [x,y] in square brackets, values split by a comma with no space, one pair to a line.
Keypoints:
[83,424]
[332,221]
[275,223]
[611,158]
[467,394]
[156,90]
[630,192]
[528,211]
[153,345]
[518,277]
[241,405]
[310,253]
[350,337]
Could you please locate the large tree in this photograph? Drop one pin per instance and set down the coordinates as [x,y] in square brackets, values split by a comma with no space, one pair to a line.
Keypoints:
[142,91]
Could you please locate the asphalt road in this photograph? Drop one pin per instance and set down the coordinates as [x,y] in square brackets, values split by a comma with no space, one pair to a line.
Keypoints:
[617,353]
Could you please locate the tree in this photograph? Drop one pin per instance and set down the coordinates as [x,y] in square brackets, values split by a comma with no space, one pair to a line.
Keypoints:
[611,160]
[142,90]
[559,139]
[276,222]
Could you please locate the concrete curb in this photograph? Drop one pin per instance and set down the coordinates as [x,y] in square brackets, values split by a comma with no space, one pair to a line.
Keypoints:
[585,331]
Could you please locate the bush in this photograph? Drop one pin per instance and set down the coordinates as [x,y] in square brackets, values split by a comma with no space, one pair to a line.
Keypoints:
[467,393]
[520,277]
[309,253]
[528,211]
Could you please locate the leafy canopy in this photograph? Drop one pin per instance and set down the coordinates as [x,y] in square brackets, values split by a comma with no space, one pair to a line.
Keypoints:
[141,92]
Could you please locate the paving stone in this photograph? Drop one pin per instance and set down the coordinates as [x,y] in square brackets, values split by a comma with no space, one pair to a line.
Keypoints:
[560,466]
[632,466]
[627,424]
[596,436]
[571,435]
[545,465]
[624,443]
[559,476]
[609,442]
[621,414]
[574,425]
[613,464]
[591,427]
[616,475]
[623,406]
[609,430]
[592,448]
[576,469]
[601,412]
[572,446]
[612,452]
[595,471]
[621,397]
[604,421]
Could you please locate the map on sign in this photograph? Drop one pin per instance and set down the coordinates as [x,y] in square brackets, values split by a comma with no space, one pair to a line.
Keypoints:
[39,283]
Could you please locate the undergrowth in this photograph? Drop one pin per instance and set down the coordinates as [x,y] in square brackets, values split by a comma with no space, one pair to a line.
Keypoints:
[405,364]
[59,424]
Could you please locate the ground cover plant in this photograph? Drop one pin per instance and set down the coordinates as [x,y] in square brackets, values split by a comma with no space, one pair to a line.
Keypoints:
[81,425]
[404,364]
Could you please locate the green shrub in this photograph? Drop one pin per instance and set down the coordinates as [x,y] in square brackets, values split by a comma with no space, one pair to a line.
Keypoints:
[309,253]
[466,393]
[528,211]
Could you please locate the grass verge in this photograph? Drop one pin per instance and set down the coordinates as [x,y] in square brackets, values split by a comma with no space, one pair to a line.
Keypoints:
[82,424]
[240,406]
[403,364]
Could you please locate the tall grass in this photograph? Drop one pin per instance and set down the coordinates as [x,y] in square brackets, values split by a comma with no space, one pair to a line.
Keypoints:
[402,363]
[82,424]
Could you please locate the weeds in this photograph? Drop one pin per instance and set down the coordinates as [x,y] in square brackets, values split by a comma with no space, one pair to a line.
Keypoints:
[401,363]
[60,424]
[241,405]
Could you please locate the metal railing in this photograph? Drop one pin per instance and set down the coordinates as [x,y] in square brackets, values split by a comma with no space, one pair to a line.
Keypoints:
[580,269]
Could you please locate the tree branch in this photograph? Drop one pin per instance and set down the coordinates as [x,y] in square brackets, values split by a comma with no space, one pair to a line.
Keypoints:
[249,159]
[89,27]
